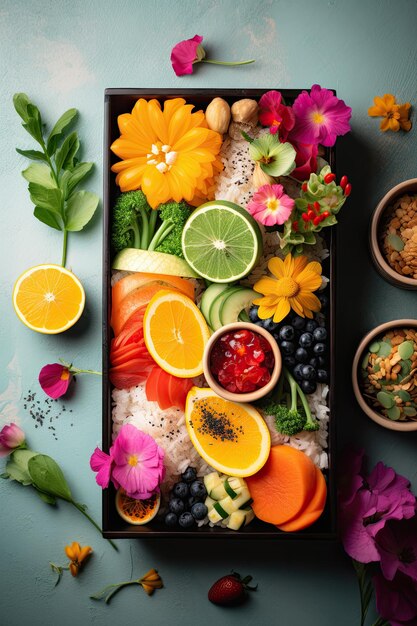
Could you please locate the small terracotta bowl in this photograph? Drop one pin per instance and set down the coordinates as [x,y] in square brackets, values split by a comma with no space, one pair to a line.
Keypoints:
[253,395]
[386,271]
[368,339]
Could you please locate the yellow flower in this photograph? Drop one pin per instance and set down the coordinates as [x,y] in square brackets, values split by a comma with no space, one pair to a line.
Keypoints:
[291,288]
[169,153]
[395,115]
[77,555]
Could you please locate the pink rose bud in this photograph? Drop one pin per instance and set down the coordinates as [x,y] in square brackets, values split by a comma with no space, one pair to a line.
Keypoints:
[11,437]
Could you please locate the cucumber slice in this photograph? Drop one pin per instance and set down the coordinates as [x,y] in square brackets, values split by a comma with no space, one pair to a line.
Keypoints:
[242,499]
[246,504]
[234,302]
[214,516]
[214,312]
[209,296]
[237,520]
[218,492]
[211,481]
[217,506]
[233,486]
[250,515]
[209,503]
[243,316]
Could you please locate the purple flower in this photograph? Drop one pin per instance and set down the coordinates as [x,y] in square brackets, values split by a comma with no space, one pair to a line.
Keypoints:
[185,53]
[320,117]
[396,600]
[11,437]
[101,463]
[397,547]
[55,379]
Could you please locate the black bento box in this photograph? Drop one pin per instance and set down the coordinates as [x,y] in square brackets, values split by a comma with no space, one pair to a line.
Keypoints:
[116,102]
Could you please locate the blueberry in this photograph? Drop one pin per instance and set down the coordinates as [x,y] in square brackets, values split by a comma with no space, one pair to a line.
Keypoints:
[323,299]
[308,372]
[176,505]
[287,347]
[198,489]
[199,510]
[191,501]
[289,361]
[286,333]
[319,348]
[297,371]
[269,325]
[180,490]
[322,376]
[301,355]
[322,361]
[306,340]
[314,362]
[189,475]
[308,386]
[310,326]
[186,520]
[171,519]
[298,322]
[320,334]
[253,314]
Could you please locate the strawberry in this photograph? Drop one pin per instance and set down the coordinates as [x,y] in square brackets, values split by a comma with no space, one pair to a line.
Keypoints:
[230,590]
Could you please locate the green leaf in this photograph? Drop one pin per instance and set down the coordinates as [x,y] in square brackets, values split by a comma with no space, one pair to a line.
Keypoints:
[33,125]
[386,399]
[80,209]
[40,174]
[394,413]
[64,157]
[45,198]
[17,466]
[35,155]
[21,102]
[47,476]
[5,475]
[45,497]
[56,133]
[80,171]
[47,217]
[406,349]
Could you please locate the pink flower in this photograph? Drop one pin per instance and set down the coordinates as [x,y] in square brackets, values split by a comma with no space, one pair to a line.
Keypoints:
[396,600]
[11,437]
[135,463]
[185,53]
[397,547]
[320,117]
[270,205]
[305,160]
[276,115]
[55,379]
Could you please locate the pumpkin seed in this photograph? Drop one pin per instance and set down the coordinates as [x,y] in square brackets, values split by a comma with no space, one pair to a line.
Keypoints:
[386,399]
[384,349]
[394,413]
[374,347]
[395,242]
[406,349]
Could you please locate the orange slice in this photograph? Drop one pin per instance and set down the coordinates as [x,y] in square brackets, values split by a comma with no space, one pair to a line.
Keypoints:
[137,512]
[48,299]
[175,333]
[233,438]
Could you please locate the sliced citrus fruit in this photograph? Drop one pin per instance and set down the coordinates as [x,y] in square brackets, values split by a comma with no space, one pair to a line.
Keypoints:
[175,333]
[48,299]
[221,241]
[137,512]
[233,438]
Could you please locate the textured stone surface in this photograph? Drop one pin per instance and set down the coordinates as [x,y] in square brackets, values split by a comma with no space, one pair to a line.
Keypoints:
[65,54]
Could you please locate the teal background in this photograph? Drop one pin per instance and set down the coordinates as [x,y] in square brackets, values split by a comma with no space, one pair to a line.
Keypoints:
[64,54]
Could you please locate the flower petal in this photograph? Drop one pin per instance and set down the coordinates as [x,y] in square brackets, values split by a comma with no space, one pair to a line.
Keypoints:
[266,285]
[276,267]
[282,309]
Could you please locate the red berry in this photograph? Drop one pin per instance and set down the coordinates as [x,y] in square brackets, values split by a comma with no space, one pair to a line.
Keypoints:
[317,206]
[230,590]
[311,215]
[305,217]
[325,214]
[304,186]
[343,181]
[348,189]
[295,226]
[317,220]
[329,178]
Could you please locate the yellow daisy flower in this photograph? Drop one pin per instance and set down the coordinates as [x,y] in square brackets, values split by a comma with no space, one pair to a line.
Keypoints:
[169,153]
[291,287]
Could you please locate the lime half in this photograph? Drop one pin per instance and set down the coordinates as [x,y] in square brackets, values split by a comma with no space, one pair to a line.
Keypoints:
[221,241]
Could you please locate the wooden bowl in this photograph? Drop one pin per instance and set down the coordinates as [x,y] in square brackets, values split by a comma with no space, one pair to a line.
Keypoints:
[253,395]
[386,271]
[372,413]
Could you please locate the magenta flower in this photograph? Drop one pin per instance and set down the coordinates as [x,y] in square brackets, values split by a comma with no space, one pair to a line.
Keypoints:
[396,600]
[135,463]
[55,379]
[190,51]
[320,117]
[273,113]
[270,205]
[397,547]
[305,160]
[11,438]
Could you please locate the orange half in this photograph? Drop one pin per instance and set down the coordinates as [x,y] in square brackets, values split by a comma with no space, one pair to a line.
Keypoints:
[48,299]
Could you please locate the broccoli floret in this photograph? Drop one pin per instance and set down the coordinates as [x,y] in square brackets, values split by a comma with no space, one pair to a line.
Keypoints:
[168,236]
[133,221]
[290,420]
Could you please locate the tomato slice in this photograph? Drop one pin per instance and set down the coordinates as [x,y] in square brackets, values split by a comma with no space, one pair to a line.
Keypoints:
[164,399]
[130,353]
[151,388]
[178,389]
[134,300]
[130,373]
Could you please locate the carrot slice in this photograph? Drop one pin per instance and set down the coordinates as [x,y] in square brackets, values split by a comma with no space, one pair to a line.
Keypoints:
[178,390]
[132,281]
[312,511]
[283,487]
[133,301]
[151,388]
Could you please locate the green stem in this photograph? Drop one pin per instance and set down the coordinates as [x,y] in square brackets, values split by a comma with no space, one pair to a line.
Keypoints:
[76,370]
[115,588]
[145,230]
[227,62]
[381,622]
[81,509]
[152,224]
[64,248]
[162,232]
